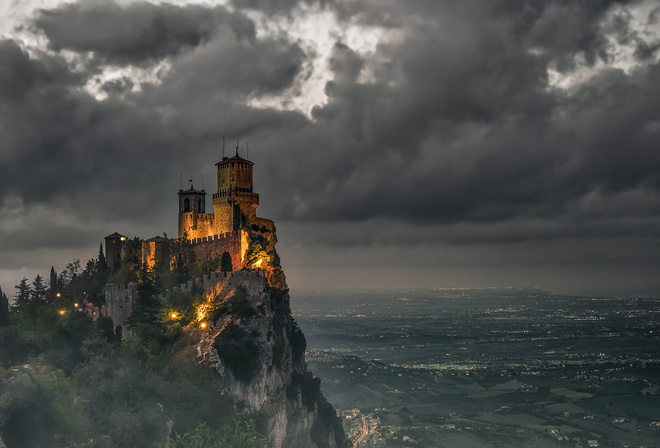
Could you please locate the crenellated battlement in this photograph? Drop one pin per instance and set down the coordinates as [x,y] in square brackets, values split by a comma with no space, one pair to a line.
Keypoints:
[222,236]
[251,279]
[236,243]
[120,299]
[233,228]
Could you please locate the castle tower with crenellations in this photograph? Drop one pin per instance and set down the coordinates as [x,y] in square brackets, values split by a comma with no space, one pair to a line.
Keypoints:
[194,222]
[233,226]
[235,204]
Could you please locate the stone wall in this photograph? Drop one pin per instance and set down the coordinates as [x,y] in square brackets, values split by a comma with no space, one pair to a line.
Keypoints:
[157,248]
[119,301]
[236,243]
[224,284]
[196,225]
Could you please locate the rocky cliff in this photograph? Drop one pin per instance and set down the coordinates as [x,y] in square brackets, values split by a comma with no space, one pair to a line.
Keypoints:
[257,352]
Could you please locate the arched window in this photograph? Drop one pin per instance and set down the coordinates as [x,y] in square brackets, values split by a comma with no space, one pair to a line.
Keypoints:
[186,205]
[200,206]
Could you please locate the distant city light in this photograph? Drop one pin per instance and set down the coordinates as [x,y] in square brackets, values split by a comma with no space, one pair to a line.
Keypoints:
[62,312]
[203,325]
[173,315]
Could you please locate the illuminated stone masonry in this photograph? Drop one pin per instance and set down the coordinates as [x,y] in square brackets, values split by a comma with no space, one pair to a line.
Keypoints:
[233,227]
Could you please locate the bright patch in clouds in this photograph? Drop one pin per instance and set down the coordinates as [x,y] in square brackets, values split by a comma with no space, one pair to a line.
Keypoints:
[315,30]
[127,79]
[644,27]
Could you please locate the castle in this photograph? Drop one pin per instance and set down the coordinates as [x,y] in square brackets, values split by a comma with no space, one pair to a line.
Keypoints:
[233,227]
[230,228]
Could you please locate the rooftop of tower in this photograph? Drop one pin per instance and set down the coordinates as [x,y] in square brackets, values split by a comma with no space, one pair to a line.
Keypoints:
[235,158]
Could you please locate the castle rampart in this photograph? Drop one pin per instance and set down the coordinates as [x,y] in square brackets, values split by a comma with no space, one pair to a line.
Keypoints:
[223,283]
[205,236]
[236,243]
[119,301]
[196,224]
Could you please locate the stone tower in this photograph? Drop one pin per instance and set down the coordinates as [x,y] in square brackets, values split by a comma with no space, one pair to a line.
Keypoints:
[235,203]
[194,222]
[192,201]
[113,246]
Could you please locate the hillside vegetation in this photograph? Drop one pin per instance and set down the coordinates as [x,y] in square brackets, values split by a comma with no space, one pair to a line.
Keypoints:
[67,381]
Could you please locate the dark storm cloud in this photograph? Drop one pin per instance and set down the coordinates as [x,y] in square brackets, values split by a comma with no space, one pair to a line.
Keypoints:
[461,124]
[107,163]
[449,135]
[137,33]
[237,70]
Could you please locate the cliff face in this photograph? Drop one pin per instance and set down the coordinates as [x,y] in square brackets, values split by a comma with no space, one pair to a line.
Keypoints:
[257,353]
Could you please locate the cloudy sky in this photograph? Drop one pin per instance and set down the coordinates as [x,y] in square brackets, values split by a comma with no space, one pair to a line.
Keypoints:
[416,143]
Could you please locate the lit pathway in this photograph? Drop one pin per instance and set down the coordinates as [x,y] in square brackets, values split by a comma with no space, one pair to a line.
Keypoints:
[363,434]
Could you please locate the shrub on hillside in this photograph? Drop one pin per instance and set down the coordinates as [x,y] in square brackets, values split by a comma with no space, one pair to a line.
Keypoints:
[238,352]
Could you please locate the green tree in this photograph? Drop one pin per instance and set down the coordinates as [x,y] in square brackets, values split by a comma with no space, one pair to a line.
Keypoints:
[131,263]
[238,352]
[225,263]
[146,312]
[257,256]
[70,272]
[23,292]
[102,264]
[239,435]
[4,309]
[52,284]
[39,293]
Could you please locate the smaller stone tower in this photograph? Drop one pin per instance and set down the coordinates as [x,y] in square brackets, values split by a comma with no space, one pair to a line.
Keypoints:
[113,246]
[192,201]
[194,222]
[235,203]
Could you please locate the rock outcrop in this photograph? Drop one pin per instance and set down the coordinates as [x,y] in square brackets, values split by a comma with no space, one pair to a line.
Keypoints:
[257,353]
